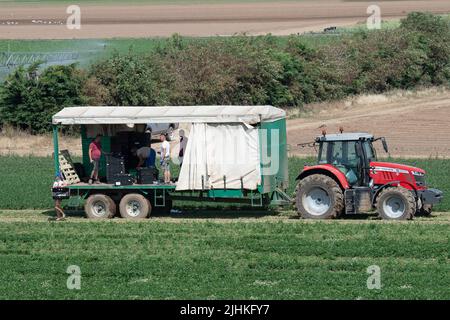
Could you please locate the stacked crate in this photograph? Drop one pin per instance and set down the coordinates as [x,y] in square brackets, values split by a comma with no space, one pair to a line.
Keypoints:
[67,168]
[115,170]
[147,175]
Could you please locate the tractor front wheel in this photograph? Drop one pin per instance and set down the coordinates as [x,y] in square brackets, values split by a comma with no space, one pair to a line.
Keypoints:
[396,204]
[319,197]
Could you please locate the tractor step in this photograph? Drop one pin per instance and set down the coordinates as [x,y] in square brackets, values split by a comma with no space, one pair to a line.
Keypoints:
[358,200]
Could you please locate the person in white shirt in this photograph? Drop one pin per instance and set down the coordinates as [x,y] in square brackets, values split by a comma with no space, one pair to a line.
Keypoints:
[59,183]
[165,158]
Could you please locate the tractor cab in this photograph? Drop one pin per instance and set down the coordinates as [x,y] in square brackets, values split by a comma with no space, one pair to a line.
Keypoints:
[351,153]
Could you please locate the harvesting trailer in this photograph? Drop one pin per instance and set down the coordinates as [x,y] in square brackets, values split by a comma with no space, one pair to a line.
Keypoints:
[225,158]
[348,179]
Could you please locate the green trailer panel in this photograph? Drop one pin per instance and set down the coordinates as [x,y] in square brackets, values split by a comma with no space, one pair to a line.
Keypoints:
[274,163]
[85,142]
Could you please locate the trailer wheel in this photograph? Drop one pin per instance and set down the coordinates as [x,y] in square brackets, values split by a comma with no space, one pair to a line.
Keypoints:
[134,206]
[99,206]
[396,204]
[319,197]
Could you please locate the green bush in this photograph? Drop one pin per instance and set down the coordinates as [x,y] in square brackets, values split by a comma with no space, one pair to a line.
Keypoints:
[30,98]
[127,80]
[430,38]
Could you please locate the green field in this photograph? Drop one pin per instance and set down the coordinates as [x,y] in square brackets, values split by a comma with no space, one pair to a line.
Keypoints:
[223,253]
[105,47]
[26,181]
[234,258]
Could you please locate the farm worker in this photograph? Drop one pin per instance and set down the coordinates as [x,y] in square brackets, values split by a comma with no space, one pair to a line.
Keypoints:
[95,152]
[183,144]
[146,155]
[59,183]
[165,158]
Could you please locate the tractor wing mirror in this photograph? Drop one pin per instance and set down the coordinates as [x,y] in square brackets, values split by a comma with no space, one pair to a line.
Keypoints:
[385,146]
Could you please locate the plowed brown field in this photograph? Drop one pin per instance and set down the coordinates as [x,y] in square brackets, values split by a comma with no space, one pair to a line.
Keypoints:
[416,125]
[114,20]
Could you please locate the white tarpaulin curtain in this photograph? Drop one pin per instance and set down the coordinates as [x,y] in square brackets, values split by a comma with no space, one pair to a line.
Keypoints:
[223,154]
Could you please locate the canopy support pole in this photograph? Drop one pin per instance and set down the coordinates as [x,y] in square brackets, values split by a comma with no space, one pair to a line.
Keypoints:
[55,149]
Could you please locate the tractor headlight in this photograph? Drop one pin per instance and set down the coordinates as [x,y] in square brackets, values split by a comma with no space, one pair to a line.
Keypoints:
[420,178]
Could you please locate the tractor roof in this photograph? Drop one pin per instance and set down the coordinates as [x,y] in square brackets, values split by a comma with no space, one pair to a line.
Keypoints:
[350,136]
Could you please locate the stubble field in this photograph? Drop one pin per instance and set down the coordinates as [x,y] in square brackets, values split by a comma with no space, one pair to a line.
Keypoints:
[148,18]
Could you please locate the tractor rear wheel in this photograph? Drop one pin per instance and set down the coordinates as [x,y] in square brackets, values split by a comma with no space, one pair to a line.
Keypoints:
[134,206]
[99,206]
[396,204]
[319,197]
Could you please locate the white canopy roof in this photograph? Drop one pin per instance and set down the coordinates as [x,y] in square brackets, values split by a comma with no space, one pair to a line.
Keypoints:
[189,114]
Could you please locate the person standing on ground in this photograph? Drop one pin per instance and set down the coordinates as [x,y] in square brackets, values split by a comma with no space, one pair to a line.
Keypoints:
[183,144]
[165,158]
[59,183]
[95,152]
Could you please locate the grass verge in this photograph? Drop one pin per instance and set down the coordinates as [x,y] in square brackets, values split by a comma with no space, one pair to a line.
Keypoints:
[272,258]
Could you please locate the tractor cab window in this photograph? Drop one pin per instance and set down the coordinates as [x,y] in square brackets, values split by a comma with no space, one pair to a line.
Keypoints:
[342,155]
[369,150]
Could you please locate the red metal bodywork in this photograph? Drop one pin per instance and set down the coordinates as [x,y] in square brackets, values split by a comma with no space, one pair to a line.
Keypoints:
[382,173]
[386,172]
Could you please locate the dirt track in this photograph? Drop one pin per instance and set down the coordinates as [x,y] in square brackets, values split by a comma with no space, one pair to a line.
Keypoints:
[416,125]
[197,20]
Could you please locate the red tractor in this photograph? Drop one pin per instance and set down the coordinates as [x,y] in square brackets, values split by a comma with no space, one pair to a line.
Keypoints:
[349,179]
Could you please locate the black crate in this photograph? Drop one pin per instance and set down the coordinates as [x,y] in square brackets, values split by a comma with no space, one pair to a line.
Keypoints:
[116,158]
[138,139]
[147,175]
[122,180]
[115,165]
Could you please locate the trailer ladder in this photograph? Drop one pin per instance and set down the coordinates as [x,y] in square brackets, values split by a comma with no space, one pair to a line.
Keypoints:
[162,197]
